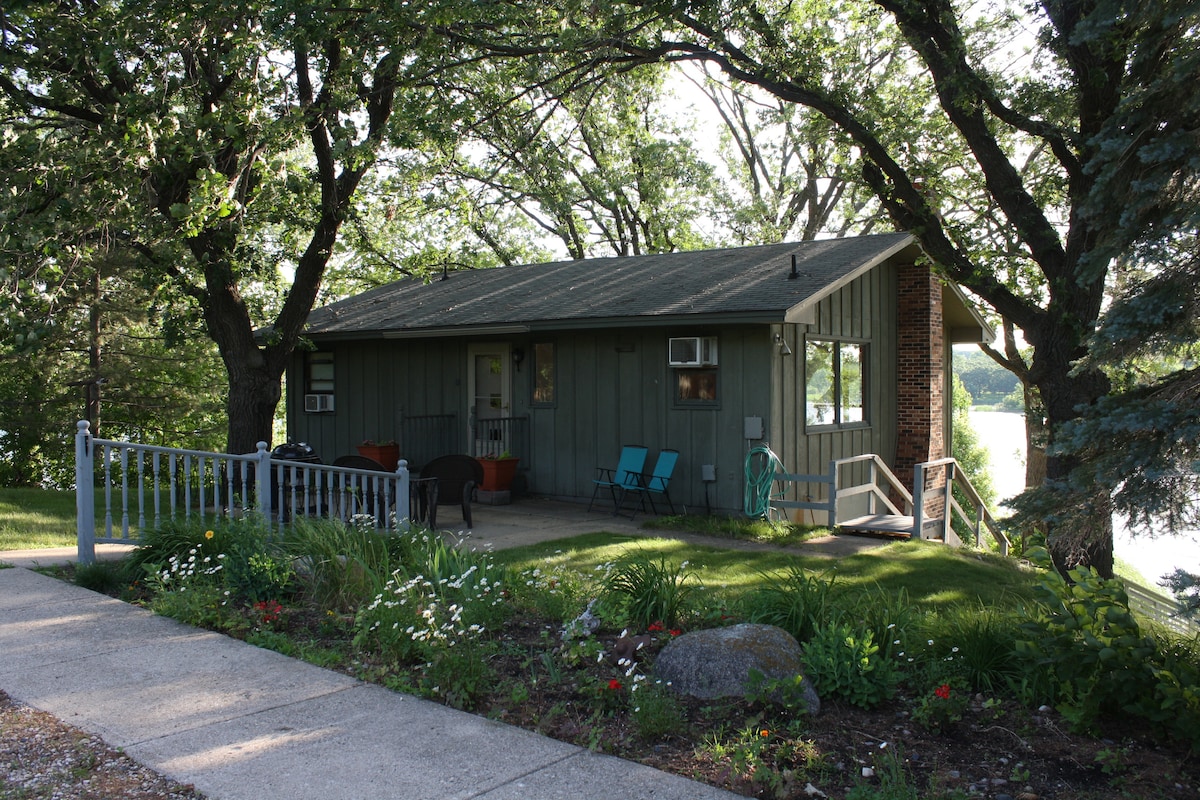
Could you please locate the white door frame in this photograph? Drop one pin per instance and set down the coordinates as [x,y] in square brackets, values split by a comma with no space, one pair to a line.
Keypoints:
[503,351]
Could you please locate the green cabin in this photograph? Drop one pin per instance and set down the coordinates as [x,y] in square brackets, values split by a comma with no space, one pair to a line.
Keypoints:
[823,350]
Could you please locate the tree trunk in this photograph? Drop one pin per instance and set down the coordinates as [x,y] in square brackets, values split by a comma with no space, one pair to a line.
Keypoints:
[1036,435]
[253,397]
[1083,537]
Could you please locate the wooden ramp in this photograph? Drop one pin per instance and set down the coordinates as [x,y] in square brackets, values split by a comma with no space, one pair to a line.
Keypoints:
[883,524]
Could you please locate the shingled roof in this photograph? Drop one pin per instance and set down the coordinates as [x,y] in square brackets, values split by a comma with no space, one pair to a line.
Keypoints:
[744,284]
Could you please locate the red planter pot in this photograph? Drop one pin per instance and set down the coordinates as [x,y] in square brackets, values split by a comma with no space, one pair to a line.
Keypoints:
[386,454]
[498,473]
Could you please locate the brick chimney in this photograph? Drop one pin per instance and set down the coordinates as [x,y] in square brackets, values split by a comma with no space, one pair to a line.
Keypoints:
[921,404]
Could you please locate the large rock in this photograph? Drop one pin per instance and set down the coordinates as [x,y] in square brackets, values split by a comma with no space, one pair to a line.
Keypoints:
[717,662]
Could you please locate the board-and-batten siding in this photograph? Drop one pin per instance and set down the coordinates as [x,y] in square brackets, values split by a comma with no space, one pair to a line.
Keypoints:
[614,387]
[376,382]
[864,310]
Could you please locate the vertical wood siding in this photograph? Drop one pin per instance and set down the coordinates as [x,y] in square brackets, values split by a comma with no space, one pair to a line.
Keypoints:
[864,310]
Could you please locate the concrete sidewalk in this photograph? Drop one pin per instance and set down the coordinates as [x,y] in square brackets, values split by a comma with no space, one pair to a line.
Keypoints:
[237,721]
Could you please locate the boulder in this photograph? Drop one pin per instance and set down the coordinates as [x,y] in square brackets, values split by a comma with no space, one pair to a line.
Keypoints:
[718,662]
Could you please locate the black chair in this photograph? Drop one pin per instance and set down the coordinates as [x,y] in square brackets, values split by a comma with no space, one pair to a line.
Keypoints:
[423,501]
[457,476]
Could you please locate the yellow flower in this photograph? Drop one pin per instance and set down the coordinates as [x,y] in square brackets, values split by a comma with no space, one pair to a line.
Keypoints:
[208,534]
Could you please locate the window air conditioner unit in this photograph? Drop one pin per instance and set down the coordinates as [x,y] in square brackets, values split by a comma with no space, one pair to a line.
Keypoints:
[314,403]
[692,351]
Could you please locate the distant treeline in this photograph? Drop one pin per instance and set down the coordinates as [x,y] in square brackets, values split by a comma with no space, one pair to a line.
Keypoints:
[988,382]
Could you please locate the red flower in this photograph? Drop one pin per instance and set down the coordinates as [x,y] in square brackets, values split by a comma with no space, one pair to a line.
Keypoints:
[943,691]
[269,609]
[675,631]
[614,685]
[654,628]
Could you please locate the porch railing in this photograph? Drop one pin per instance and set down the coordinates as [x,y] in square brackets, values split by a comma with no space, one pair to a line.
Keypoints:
[143,485]
[865,488]
[836,488]
[879,485]
[424,437]
[494,436]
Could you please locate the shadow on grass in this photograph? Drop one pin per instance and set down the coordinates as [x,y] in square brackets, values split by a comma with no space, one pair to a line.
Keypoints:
[935,576]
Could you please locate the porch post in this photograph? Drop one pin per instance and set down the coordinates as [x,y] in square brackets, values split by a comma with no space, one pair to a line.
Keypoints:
[919,501]
[403,509]
[85,494]
[262,480]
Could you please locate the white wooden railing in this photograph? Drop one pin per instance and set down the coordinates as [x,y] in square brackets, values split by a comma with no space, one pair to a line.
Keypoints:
[879,501]
[977,519]
[879,488]
[143,485]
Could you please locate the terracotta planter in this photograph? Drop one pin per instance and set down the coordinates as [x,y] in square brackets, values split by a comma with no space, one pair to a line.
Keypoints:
[386,454]
[498,473]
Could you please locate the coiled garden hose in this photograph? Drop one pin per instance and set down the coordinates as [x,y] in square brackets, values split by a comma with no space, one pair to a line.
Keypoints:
[761,466]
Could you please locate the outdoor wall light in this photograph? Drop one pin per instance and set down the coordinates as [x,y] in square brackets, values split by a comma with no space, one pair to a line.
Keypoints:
[518,355]
[784,350]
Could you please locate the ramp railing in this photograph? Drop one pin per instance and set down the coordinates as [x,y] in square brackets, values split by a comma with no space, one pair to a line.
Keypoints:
[141,486]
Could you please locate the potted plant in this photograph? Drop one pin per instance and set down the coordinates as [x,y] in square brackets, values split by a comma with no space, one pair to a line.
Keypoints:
[498,471]
[386,453]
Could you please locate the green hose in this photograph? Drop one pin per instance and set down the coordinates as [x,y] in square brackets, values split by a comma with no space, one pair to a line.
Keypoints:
[761,466]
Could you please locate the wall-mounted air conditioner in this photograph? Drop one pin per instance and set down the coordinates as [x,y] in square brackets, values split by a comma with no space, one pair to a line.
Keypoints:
[692,351]
[314,403]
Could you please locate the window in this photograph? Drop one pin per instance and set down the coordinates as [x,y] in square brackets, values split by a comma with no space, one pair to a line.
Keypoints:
[693,363]
[696,386]
[544,378]
[835,384]
[319,373]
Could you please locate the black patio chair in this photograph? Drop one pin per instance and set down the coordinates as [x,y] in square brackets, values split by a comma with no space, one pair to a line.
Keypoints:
[457,476]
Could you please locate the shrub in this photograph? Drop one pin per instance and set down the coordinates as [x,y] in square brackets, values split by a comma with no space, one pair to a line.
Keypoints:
[1098,661]
[343,565]
[888,615]
[976,644]
[844,661]
[254,568]
[460,676]
[940,707]
[452,596]
[656,712]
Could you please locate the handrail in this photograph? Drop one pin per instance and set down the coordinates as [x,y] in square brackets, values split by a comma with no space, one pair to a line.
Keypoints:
[955,477]
[879,469]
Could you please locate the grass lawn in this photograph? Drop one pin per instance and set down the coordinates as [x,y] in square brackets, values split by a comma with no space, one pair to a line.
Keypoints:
[935,576]
[35,518]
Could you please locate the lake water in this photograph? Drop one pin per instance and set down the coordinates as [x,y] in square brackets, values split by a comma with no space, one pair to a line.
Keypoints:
[1003,434]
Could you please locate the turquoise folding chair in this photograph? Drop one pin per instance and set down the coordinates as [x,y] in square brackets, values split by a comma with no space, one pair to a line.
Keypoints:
[625,478]
[657,482]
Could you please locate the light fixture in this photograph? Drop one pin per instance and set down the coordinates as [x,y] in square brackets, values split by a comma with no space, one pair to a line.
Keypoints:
[518,355]
[784,350]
